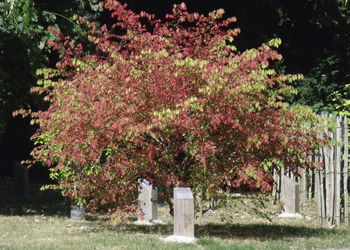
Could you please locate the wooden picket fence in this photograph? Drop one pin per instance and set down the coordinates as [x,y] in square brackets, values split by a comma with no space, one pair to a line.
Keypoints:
[331,182]
[328,185]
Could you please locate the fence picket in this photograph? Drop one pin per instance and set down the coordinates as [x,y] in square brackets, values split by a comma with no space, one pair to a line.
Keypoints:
[345,171]
[303,187]
[337,161]
[328,185]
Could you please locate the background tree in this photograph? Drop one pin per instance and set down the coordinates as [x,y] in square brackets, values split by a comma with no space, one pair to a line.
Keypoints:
[23,31]
[23,49]
[317,41]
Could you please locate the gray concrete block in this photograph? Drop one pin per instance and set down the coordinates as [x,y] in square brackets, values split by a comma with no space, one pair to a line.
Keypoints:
[289,197]
[148,201]
[183,212]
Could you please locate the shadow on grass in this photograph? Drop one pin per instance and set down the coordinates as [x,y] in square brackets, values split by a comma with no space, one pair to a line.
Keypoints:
[48,202]
[259,231]
[238,231]
[51,203]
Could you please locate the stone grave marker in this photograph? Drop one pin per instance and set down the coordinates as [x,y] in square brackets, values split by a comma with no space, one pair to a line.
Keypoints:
[183,216]
[21,181]
[289,197]
[77,212]
[148,203]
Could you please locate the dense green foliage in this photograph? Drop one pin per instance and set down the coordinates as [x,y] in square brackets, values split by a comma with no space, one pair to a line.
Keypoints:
[326,48]
[23,45]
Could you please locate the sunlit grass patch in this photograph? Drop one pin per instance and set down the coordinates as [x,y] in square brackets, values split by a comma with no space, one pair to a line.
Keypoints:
[43,224]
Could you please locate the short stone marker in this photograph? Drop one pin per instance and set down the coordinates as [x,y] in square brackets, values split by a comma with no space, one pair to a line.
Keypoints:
[148,204]
[183,216]
[289,197]
[77,212]
[21,181]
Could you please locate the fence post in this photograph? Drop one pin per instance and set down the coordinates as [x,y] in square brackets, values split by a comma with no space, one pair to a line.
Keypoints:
[303,186]
[311,184]
[276,185]
[337,161]
[319,196]
[345,171]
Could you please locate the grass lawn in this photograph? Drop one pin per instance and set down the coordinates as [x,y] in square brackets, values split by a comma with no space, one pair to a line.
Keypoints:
[244,223]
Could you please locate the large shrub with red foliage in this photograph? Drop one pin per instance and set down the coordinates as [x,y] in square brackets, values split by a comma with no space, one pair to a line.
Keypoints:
[171,101]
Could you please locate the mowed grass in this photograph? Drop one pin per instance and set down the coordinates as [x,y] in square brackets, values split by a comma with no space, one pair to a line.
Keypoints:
[243,222]
[41,232]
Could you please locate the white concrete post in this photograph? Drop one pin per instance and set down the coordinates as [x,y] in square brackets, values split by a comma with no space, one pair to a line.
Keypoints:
[289,197]
[183,212]
[77,212]
[148,203]
[183,216]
